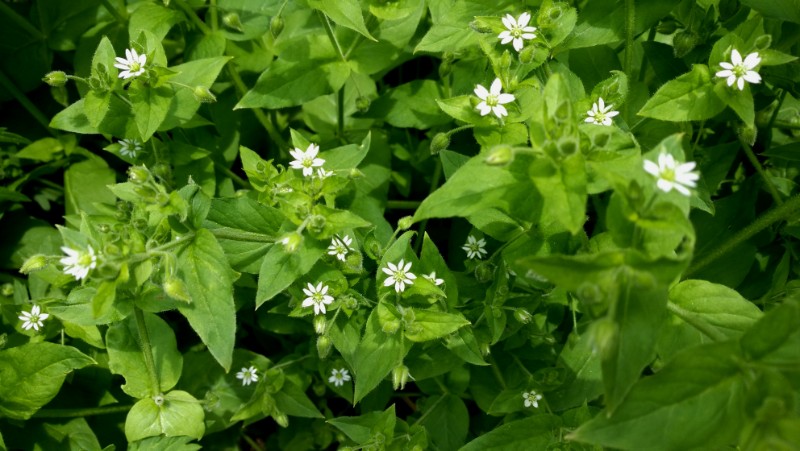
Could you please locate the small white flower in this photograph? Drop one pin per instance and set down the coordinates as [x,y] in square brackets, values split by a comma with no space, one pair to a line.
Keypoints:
[531,399]
[34,318]
[493,99]
[399,275]
[340,247]
[323,174]
[517,30]
[132,65]
[77,263]
[738,71]
[601,113]
[307,160]
[432,278]
[339,377]
[475,248]
[672,175]
[318,297]
[129,147]
[248,375]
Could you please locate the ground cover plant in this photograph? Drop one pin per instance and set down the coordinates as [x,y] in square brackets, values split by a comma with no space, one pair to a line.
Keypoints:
[400,225]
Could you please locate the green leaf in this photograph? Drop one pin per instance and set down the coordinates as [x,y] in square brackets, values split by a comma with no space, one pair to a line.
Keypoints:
[292,400]
[346,13]
[361,429]
[281,268]
[462,109]
[180,443]
[430,325]
[155,18]
[85,184]
[741,102]
[583,382]
[690,97]
[32,375]
[446,419]
[286,84]
[44,150]
[775,338]
[184,105]
[150,107]
[563,188]
[74,434]
[596,26]
[777,9]
[464,345]
[377,355]
[125,355]
[179,414]
[695,402]
[410,105]
[204,269]
[536,432]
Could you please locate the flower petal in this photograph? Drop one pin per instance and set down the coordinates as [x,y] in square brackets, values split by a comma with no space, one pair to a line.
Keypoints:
[481,92]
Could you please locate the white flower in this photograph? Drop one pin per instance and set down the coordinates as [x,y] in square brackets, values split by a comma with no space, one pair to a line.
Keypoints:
[129,147]
[307,160]
[78,263]
[493,99]
[132,65]
[248,375]
[432,278]
[518,30]
[739,71]
[323,174]
[317,297]
[339,377]
[532,399]
[601,113]
[399,275]
[671,175]
[34,318]
[340,247]
[475,248]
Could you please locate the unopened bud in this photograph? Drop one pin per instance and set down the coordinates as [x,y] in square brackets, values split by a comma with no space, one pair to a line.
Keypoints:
[281,419]
[684,42]
[139,224]
[362,103]
[505,59]
[373,248]
[138,174]
[527,54]
[276,26]
[323,346]
[349,302]
[522,315]
[203,94]
[439,143]
[391,327]
[355,173]
[486,349]
[320,324]
[33,263]
[484,272]
[763,42]
[291,241]
[499,155]
[56,78]
[177,289]
[405,222]
[7,289]
[445,68]
[480,26]
[231,20]
[317,223]
[400,377]
[747,133]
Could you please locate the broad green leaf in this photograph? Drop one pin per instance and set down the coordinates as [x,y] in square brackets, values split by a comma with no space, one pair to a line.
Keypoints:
[245,229]
[361,429]
[465,346]
[286,84]
[162,443]
[281,268]
[583,382]
[430,325]
[292,400]
[447,420]
[32,375]
[346,13]
[378,353]
[44,150]
[184,105]
[695,402]
[741,102]
[203,267]
[74,434]
[536,432]
[563,189]
[103,61]
[117,122]
[393,35]
[125,355]
[150,107]
[155,18]
[85,185]
[596,25]
[179,414]
[777,9]
[690,97]
[96,106]
[775,338]
[410,105]
[461,108]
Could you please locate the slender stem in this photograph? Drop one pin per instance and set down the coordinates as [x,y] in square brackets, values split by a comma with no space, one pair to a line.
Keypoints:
[437,174]
[403,204]
[147,351]
[429,409]
[213,11]
[260,115]
[21,21]
[789,125]
[326,23]
[236,179]
[290,362]
[193,17]
[340,113]
[114,11]
[773,118]
[241,235]
[783,212]
[165,247]
[630,30]
[757,164]
[73,413]
[25,102]
[252,443]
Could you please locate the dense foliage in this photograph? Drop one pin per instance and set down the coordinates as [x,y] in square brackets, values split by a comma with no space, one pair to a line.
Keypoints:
[400,225]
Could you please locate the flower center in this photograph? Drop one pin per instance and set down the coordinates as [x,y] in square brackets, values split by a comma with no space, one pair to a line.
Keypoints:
[516,32]
[739,70]
[308,162]
[318,297]
[85,260]
[491,100]
[400,276]
[135,66]
[668,174]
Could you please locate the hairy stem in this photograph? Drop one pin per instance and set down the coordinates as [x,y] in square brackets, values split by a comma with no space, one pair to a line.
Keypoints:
[193,17]
[630,24]
[402,204]
[326,23]
[74,413]
[114,11]
[147,351]
[760,169]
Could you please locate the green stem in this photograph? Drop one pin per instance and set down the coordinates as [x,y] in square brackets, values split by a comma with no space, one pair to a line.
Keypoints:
[74,413]
[630,24]
[340,113]
[21,21]
[429,409]
[241,88]
[760,169]
[252,443]
[773,118]
[147,351]
[114,11]
[789,125]
[290,362]
[213,12]
[437,174]
[236,179]
[326,23]
[783,212]
[402,204]
[24,101]
[193,17]
[240,235]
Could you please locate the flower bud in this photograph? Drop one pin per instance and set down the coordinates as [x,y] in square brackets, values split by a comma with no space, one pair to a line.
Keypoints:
[439,143]
[667,26]
[747,133]
[522,315]
[176,289]
[33,263]
[355,173]
[7,290]
[499,155]
[480,26]
[203,94]
[281,419]
[505,59]
[138,174]
[567,146]
[323,346]
[56,78]
[684,42]
[139,224]
[445,68]
[391,327]
[373,248]
[484,272]
[350,302]
[763,42]
[291,241]
[231,20]
[527,54]
[320,324]
[400,377]
[486,349]
[317,223]
[276,26]
[405,222]
[362,104]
